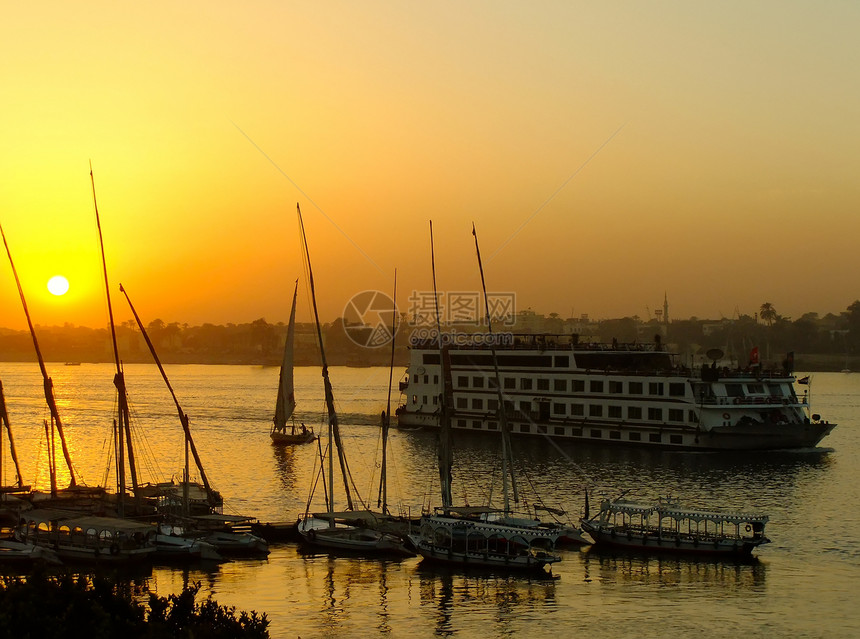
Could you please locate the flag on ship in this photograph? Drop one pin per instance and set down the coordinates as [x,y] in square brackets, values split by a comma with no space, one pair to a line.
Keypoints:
[803,380]
[754,357]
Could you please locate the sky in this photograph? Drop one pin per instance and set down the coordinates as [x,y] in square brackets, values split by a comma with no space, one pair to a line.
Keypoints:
[608,153]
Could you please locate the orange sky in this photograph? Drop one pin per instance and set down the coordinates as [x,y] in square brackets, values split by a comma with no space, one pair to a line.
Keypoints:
[714,151]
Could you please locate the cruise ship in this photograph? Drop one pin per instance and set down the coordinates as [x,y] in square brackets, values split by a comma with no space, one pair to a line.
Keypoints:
[630,394]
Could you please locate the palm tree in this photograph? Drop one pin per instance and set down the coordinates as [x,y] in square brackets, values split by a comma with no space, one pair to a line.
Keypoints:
[768,313]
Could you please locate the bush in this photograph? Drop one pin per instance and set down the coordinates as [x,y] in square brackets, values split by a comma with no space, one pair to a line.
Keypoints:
[42,607]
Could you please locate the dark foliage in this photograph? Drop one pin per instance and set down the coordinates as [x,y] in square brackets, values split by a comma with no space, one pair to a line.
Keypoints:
[42,607]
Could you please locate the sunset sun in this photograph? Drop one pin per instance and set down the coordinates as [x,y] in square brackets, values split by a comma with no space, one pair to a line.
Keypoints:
[58,285]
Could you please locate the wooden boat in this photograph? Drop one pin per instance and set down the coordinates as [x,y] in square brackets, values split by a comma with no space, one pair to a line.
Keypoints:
[481,536]
[330,529]
[286,401]
[172,543]
[667,527]
[16,553]
[81,537]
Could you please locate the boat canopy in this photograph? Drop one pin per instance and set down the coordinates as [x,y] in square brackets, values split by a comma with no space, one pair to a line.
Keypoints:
[678,513]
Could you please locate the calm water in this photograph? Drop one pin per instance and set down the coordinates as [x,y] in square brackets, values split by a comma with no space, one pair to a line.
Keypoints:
[803,584]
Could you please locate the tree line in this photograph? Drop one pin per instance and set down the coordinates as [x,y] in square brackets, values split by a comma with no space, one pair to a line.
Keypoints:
[819,343]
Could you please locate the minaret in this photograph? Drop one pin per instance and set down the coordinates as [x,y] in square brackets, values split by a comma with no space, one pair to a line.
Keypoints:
[665,308]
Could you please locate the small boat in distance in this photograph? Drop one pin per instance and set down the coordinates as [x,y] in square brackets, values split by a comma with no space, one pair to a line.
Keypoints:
[286,402]
[667,527]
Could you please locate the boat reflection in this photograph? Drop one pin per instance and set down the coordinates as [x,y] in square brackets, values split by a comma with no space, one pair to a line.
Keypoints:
[455,592]
[613,568]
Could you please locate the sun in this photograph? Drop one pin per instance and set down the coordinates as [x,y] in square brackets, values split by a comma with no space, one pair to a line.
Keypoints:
[58,285]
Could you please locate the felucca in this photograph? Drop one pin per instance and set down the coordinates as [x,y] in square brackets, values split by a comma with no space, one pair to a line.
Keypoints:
[332,529]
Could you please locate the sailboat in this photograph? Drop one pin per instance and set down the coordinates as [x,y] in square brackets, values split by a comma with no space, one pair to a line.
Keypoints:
[480,536]
[331,529]
[194,509]
[286,401]
[77,495]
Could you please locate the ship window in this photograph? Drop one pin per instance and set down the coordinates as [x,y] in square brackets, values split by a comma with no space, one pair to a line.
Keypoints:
[577,432]
[492,404]
[461,423]
[577,385]
[491,382]
[635,437]
[426,379]
[526,383]
[676,439]
[463,381]
[655,438]
[477,403]
[655,414]
[677,389]
[635,388]
[462,402]
[734,390]
[655,388]
[755,388]
[691,416]
[477,382]
[595,410]
[415,399]
[543,384]
[476,424]
[435,400]
[616,386]
[577,409]
[525,428]
[509,406]
[614,411]
[596,433]
[562,361]
[676,415]
[424,399]
[492,426]
[634,412]
[431,358]
[614,434]
[525,406]
[559,430]
[510,382]
[559,409]
[435,379]
[596,386]
[559,385]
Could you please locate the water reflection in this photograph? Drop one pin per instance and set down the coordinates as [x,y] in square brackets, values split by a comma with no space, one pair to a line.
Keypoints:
[611,569]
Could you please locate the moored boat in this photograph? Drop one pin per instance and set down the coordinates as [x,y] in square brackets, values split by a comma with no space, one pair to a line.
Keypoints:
[667,527]
[80,537]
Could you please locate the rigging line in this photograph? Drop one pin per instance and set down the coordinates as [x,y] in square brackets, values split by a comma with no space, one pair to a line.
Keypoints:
[300,190]
[556,192]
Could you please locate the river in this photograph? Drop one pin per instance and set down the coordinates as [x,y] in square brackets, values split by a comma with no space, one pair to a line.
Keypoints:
[800,585]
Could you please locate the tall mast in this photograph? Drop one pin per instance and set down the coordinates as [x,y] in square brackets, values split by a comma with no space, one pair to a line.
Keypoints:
[183,418]
[333,429]
[507,456]
[47,382]
[446,456]
[4,423]
[386,422]
[123,425]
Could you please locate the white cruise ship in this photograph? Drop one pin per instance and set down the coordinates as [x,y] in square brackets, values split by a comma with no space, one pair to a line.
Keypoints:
[631,394]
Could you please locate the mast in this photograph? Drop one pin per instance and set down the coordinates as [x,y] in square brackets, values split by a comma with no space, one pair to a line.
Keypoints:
[507,456]
[333,429]
[123,425]
[4,423]
[446,456]
[47,382]
[183,418]
[386,419]
[286,402]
